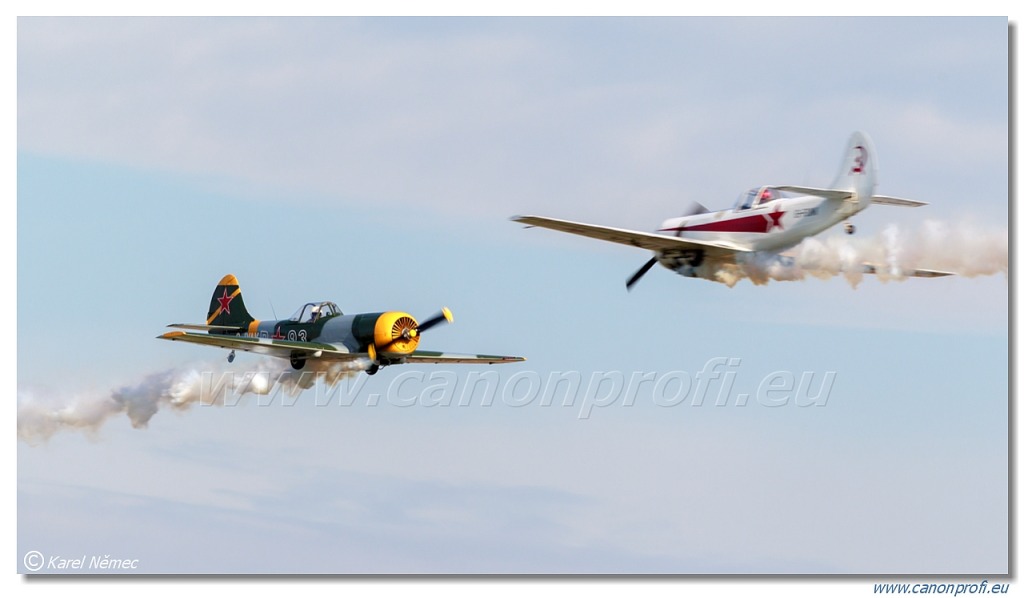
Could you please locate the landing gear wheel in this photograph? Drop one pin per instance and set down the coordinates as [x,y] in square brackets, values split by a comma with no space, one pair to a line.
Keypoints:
[298,363]
[372,369]
[850,228]
[231,356]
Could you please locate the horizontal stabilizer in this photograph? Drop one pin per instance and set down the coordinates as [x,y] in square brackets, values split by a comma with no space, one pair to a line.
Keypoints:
[919,273]
[885,200]
[826,193]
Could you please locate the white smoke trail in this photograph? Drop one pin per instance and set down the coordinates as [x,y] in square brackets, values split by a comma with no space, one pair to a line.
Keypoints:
[41,415]
[963,250]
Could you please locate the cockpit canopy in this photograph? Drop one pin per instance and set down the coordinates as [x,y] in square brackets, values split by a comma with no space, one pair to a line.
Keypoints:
[757,197]
[311,312]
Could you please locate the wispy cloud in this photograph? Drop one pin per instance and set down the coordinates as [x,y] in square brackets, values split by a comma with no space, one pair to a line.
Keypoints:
[404,112]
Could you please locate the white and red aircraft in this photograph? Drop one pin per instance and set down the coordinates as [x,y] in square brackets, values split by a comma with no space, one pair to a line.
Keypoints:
[763,223]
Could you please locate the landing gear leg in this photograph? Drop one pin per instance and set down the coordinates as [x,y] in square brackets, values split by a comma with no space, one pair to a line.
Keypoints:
[850,228]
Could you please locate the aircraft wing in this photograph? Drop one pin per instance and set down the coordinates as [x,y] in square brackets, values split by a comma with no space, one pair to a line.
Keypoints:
[651,241]
[267,346]
[439,357]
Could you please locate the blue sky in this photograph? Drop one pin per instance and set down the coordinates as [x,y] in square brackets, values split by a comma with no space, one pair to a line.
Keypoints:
[375,163]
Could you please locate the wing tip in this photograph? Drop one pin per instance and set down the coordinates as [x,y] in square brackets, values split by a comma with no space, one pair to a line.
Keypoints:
[902,202]
[932,273]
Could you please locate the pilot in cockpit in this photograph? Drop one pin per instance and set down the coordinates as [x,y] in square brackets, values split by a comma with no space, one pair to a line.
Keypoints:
[314,313]
[766,196]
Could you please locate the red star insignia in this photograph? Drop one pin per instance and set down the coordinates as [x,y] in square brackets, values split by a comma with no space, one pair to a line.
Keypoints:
[773,219]
[225,302]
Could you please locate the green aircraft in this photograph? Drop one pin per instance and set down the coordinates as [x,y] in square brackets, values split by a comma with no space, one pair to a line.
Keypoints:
[319,331]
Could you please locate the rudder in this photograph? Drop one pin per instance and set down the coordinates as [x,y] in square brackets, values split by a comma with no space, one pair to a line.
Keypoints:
[226,305]
[859,169]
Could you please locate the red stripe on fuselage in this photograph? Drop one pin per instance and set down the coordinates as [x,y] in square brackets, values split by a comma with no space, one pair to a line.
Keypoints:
[758,223]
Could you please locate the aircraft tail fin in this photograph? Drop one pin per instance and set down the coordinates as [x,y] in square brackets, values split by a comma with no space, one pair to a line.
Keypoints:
[859,170]
[226,305]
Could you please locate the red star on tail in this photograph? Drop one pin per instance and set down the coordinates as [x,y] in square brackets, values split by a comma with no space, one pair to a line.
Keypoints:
[225,302]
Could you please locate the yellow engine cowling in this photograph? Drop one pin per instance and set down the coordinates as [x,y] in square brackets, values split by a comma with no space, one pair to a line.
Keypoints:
[396,332]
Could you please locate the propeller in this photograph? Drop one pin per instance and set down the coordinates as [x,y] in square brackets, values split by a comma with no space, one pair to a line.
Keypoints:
[640,273]
[445,315]
[691,210]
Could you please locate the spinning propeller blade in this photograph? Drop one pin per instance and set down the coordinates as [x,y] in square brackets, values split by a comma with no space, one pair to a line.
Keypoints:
[444,316]
[639,273]
[695,208]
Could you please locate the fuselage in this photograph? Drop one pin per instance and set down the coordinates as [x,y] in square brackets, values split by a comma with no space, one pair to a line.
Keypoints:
[772,226]
[336,329]
[324,323]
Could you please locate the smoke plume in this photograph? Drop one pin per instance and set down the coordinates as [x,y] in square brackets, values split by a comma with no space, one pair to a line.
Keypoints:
[41,415]
[895,253]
